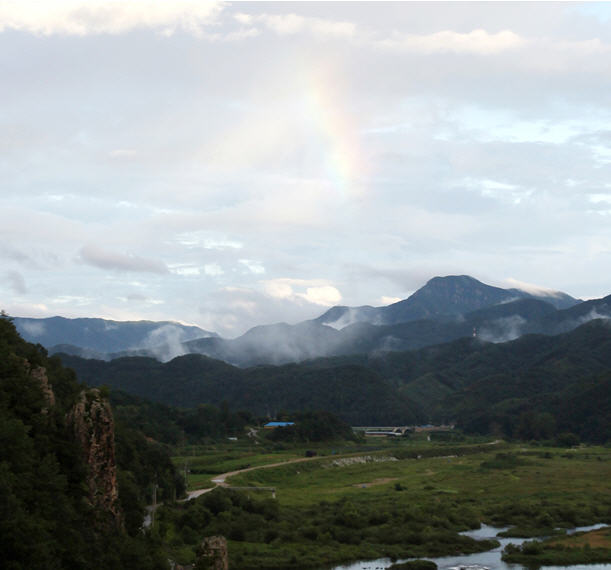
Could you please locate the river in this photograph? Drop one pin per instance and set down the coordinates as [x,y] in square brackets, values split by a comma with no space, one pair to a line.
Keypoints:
[490,559]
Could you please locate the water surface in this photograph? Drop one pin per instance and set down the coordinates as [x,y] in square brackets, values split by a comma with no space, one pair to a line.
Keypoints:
[490,558]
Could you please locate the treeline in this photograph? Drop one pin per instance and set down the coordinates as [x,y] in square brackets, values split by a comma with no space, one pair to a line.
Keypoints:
[313,427]
[356,394]
[178,426]
[46,520]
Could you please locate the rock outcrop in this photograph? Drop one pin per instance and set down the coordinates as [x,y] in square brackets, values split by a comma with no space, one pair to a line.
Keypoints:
[92,422]
[40,375]
[212,554]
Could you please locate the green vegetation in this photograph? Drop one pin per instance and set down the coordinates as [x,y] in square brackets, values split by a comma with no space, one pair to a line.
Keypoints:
[45,520]
[350,498]
[176,426]
[534,554]
[387,503]
[313,427]
[553,388]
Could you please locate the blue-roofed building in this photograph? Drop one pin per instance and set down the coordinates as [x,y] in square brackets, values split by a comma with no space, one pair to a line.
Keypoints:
[272,425]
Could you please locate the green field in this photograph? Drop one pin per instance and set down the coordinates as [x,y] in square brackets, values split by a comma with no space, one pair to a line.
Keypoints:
[410,498]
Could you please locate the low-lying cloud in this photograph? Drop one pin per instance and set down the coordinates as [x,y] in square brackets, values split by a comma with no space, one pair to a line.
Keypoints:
[503,330]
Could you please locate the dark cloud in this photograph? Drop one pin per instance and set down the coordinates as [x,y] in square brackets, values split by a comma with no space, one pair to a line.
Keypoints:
[104,259]
[16,282]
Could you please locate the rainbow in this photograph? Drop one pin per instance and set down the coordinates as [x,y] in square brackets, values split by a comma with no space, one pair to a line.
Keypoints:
[337,134]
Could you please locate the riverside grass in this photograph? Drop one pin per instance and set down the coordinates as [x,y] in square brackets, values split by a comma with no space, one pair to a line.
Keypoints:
[328,512]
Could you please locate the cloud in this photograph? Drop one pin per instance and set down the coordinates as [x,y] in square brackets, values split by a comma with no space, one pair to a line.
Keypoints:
[94,17]
[213,269]
[104,259]
[186,270]
[476,42]
[124,153]
[252,266]
[315,291]
[532,289]
[232,310]
[325,296]
[502,330]
[33,328]
[16,282]
[290,24]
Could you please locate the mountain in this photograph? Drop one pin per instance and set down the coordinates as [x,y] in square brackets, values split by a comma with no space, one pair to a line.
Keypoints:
[444,309]
[510,387]
[282,343]
[97,337]
[273,344]
[440,297]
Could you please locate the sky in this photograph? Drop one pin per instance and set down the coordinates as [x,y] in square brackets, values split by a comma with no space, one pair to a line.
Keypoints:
[236,164]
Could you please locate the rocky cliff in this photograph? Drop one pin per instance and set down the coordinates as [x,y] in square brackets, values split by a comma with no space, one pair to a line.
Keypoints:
[92,422]
[213,554]
[40,375]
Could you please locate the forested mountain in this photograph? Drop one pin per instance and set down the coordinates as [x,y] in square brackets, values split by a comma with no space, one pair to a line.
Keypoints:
[478,384]
[71,495]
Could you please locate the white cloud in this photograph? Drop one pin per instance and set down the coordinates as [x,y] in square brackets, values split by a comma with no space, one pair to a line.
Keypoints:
[314,291]
[78,300]
[278,288]
[33,328]
[325,296]
[253,266]
[213,269]
[531,288]
[600,198]
[87,17]
[476,42]
[123,153]
[290,24]
[186,270]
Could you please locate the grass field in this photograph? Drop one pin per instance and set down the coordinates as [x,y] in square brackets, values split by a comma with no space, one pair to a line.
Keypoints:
[387,502]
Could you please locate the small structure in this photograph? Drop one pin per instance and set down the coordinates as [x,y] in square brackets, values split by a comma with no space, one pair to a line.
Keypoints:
[274,425]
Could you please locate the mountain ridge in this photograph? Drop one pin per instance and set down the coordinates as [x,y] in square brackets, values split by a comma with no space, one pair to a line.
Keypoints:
[444,309]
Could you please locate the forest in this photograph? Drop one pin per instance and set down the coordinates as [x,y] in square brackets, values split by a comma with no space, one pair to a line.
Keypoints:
[535,387]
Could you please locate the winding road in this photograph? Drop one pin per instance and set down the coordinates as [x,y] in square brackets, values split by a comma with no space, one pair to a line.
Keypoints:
[220,480]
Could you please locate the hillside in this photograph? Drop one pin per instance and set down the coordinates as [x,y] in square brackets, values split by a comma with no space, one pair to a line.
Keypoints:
[475,383]
[355,393]
[74,483]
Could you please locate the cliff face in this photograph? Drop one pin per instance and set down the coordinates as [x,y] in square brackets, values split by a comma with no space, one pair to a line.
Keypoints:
[93,425]
[212,554]
[40,375]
